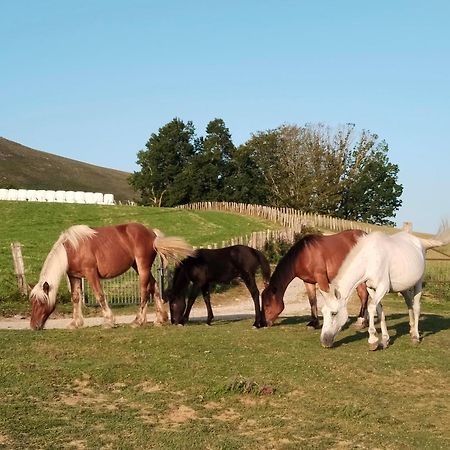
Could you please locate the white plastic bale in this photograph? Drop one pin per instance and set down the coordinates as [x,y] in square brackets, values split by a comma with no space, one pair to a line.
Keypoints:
[89,197]
[3,194]
[108,199]
[60,196]
[31,195]
[12,194]
[49,196]
[40,195]
[79,197]
[70,197]
[22,195]
[98,198]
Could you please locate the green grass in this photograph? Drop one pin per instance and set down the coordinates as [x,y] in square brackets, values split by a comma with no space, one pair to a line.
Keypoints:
[226,387]
[37,226]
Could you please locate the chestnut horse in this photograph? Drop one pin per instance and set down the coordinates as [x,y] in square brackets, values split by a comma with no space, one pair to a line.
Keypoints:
[104,252]
[315,259]
[220,265]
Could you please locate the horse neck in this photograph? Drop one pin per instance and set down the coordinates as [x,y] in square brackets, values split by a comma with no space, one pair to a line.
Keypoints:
[284,273]
[180,279]
[351,273]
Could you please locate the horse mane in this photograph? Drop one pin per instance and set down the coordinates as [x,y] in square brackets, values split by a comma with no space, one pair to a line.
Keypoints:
[56,262]
[352,254]
[286,264]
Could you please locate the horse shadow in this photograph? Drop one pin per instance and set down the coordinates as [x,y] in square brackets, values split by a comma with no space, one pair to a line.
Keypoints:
[221,319]
[429,324]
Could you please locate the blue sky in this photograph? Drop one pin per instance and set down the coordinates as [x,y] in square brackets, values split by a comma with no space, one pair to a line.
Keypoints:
[91,80]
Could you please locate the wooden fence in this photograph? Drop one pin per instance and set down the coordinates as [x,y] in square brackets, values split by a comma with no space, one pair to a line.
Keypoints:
[287,217]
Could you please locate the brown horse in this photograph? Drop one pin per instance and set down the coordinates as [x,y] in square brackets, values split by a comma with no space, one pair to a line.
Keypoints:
[104,252]
[315,259]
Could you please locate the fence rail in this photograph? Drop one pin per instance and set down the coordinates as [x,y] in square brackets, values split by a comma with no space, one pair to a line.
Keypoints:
[287,217]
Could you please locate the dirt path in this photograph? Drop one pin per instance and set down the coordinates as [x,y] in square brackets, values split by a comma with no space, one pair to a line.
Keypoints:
[296,303]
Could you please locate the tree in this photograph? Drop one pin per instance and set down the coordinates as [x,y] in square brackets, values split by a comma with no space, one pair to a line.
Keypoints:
[370,189]
[160,181]
[211,165]
[317,170]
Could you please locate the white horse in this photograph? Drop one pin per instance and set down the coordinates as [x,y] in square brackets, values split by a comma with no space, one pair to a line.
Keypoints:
[385,263]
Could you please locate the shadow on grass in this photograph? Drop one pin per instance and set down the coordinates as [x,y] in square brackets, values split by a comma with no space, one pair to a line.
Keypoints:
[220,319]
[429,324]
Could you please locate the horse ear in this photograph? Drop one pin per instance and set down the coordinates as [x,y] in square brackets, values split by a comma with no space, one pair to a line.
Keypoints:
[46,288]
[337,293]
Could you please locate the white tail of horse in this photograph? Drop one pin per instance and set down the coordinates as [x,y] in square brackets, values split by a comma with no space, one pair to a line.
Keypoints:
[441,238]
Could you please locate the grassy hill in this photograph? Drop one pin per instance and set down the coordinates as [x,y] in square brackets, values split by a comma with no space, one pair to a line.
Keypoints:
[25,168]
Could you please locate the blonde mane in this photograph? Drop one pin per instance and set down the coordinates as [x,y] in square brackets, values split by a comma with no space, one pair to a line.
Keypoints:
[56,263]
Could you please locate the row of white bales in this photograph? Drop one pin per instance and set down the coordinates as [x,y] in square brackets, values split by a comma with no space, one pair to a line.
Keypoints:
[31,195]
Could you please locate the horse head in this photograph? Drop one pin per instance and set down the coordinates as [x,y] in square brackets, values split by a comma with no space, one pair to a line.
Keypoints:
[41,306]
[177,305]
[335,316]
[272,304]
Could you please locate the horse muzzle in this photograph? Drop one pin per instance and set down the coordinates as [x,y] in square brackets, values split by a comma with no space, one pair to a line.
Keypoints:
[327,340]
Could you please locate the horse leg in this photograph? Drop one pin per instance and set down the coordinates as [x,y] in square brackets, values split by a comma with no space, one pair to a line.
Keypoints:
[143,273]
[162,315]
[415,336]
[362,320]
[94,281]
[314,323]
[77,314]
[384,331]
[373,306]
[207,299]
[191,299]
[250,282]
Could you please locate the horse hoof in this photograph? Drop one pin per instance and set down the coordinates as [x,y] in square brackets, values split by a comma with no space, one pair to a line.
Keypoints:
[384,345]
[360,324]
[373,346]
[415,341]
[313,325]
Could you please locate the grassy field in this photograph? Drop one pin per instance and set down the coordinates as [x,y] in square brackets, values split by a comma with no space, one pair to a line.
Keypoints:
[227,386]
[37,226]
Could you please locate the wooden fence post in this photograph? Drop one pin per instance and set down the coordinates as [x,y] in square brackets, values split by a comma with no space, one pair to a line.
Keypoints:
[19,268]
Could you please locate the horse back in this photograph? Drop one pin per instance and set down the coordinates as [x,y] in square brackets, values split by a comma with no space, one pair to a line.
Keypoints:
[324,254]
[112,250]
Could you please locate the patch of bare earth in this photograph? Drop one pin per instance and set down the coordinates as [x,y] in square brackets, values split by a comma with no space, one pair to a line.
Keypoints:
[178,415]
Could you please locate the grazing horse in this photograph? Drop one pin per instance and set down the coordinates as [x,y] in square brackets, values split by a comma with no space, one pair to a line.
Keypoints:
[97,253]
[215,266]
[315,259]
[385,263]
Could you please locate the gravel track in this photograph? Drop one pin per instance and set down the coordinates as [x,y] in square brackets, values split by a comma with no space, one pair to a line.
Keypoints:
[296,303]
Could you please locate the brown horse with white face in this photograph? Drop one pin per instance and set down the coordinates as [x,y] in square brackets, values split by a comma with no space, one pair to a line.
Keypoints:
[315,259]
[97,253]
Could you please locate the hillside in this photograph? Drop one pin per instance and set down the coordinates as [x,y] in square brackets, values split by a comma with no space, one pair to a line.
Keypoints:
[25,168]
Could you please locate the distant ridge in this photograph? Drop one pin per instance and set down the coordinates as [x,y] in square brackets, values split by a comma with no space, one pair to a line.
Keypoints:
[25,168]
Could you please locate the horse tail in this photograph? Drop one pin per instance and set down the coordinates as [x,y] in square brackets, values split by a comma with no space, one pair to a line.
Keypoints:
[441,238]
[172,248]
[265,267]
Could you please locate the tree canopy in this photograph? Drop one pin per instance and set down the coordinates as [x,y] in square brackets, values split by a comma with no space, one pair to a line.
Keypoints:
[312,168]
